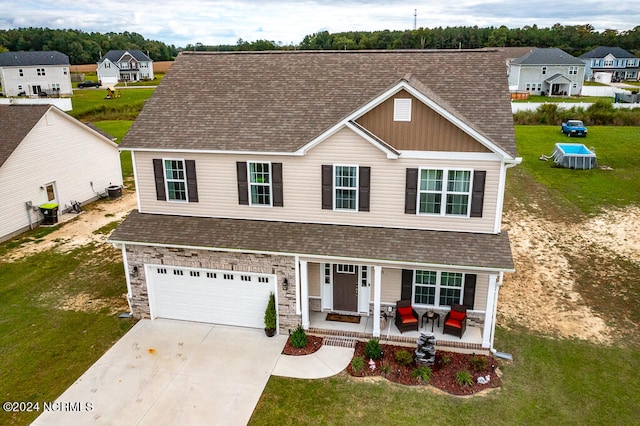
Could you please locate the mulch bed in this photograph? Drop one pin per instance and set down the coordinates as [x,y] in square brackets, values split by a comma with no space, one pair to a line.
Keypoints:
[313,344]
[444,372]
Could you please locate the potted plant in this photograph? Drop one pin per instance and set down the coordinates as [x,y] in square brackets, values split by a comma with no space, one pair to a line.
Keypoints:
[270,316]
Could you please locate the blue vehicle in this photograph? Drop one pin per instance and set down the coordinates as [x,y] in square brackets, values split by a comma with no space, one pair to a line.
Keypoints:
[573,128]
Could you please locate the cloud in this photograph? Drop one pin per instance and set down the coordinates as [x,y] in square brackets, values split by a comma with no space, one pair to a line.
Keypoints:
[182,22]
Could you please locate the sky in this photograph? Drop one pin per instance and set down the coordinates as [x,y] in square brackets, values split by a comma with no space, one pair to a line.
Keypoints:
[214,22]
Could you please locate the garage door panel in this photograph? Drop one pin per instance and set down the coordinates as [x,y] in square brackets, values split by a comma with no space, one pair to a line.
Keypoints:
[210,295]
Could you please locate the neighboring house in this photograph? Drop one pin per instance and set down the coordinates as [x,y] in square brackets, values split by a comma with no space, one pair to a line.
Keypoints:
[340,181]
[35,74]
[610,64]
[124,65]
[548,72]
[47,156]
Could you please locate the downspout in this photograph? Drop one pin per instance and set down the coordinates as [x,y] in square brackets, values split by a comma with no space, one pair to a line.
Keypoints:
[126,276]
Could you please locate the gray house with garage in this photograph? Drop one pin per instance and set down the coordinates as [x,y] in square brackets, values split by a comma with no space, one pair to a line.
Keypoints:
[547,72]
[340,181]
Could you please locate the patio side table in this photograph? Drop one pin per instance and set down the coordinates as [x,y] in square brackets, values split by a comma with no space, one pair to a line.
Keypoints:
[429,315]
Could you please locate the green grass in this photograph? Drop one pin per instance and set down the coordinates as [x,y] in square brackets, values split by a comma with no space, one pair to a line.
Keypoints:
[91,105]
[118,129]
[560,382]
[45,348]
[588,190]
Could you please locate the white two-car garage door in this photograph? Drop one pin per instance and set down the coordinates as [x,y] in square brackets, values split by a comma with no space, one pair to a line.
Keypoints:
[212,296]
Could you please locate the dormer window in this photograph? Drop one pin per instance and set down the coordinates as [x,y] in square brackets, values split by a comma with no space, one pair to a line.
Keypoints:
[402,109]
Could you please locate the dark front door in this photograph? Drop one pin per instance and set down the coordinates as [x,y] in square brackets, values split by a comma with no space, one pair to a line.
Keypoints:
[345,288]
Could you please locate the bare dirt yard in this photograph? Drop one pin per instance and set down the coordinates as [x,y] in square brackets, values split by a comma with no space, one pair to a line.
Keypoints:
[79,229]
[550,256]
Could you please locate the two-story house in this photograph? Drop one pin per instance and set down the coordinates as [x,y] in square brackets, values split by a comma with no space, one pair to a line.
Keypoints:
[340,181]
[35,74]
[548,72]
[124,65]
[614,63]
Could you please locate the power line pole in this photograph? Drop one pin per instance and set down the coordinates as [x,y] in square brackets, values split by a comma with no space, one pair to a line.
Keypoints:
[415,19]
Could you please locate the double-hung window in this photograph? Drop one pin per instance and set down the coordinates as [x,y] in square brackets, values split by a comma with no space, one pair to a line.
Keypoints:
[346,187]
[176,180]
[444,192]
[436,288]
[260,183]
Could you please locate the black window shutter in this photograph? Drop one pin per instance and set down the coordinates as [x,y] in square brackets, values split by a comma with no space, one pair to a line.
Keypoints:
[411,191]
[327,187]
[364,188]
[407,284]
[276,184]
[158,174]
[243,185]
[192,182]
[477,193]
[469,290]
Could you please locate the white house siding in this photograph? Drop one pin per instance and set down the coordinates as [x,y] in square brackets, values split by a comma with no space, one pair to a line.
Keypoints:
[108,73]
[13,83]
[59,150]
[521,75]
[218,197]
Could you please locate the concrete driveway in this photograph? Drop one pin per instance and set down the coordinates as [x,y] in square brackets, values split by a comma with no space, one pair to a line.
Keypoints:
[172,373]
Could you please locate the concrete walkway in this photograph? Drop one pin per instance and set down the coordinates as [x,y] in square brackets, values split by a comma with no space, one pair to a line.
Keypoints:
[184,373]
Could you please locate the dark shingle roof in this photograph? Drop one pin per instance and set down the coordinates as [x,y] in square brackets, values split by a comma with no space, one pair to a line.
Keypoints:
[547,56]
[456,249]
[279,101]
[603,51]
[17,121]
[16,59]
[115,55]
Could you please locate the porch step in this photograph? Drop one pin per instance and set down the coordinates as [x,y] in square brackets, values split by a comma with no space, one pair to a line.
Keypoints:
[341,342]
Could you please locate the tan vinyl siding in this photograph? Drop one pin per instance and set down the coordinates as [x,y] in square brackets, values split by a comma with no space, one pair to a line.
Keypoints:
[427,130]
[313,271]
[218,197]
[391,285]
[482,289]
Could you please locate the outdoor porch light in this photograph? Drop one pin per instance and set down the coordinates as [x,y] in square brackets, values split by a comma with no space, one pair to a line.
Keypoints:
[285,284]
[134,272]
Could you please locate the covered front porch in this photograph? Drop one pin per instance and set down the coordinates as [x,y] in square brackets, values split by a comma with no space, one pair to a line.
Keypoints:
[368,294]
[470,341]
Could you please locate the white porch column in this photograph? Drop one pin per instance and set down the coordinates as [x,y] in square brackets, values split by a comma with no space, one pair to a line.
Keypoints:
[304,294]
[377,291]
[490,312]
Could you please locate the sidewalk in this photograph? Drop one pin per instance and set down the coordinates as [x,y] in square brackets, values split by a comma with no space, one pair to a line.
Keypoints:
[325,362]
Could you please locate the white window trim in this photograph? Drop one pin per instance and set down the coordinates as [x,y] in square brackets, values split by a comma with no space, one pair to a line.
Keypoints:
[402,109]
[270,184]
[445,192]
[356,188]
[436,297]
[166,180]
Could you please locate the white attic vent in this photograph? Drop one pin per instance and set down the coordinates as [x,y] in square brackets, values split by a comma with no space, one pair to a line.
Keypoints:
[402,109]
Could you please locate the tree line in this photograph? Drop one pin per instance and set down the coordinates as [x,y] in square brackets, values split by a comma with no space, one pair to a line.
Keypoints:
[80,46]
[84,48]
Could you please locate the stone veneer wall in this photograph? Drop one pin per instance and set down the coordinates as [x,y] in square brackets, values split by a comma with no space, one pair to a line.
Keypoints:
[281,266]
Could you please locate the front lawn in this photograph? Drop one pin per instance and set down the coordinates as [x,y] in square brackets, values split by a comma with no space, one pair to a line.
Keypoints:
[49,333]
[549,382]
[92,105]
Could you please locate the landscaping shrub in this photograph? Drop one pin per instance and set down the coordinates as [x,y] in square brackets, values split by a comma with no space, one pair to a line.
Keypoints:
[372,349]
[298,338]
[478,363]
[423,372]
[599,113]
[404,357]
[357,363]
[464,378]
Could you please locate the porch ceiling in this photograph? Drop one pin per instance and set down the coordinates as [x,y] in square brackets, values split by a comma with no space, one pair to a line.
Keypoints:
[456,249]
